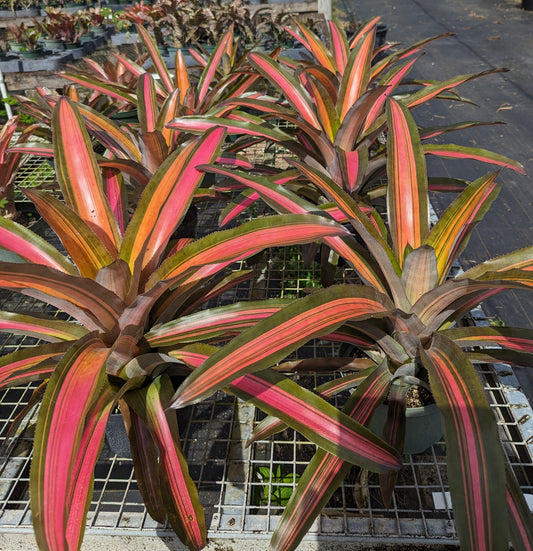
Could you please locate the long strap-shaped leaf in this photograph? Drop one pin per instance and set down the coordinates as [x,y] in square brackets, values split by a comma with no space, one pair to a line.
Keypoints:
[357,74]
[476,464]
[512,338]
[407,196]
[64,431]
[213,322]
[273,338]
[157,60]
[453,151]
[521,259]
[30,246]
[166,200]
[31,364]
[320,422]
[247,239]
[179,494]
[294,92]
[78,174]
[81,243]
[209,71]
[146,103]
[450,234]
[83,298]
[50,330]
[520,520]
[326,471]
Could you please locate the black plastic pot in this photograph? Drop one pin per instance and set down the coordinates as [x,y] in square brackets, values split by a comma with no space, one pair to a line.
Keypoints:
[527,5]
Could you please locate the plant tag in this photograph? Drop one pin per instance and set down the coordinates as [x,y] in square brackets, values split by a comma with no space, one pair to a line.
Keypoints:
[442,500]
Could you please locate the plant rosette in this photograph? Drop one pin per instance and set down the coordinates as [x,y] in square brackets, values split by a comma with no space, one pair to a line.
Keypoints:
[405,266]
[137,298]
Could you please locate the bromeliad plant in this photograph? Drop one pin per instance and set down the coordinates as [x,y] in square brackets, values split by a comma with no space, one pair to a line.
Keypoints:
[132,295]
[334,110]
[416,342]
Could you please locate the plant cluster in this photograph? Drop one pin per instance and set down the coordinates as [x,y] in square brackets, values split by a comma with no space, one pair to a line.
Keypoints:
[145,336]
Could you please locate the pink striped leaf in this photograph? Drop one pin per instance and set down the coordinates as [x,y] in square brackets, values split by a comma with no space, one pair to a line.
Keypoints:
[326,471]
[518,513]
[316,419]
[87,301]
[521,259]
[31,364]
[81,243]
[451,233]
[284,201]
[357,118]
[294,92]
[511,338]
[453,296]
[147,109]
[339,45]
[500,355]
[178,492]
[234,244]
[433,90]
[139,174]
[113,90]
[268,427]
[407,197]
[476,464]
[166,200]
[116,195]
[326,112]
[453,151]
[210,69]
[170,110]
[144,455]
[434,131]
[273,338]
[31,247]
[33,148]
[316,46]
[158,62]
[206,122]
[78,174]
[213,323]
[50,330]
[67,430]
[356,76]
[82,481]
[109,133]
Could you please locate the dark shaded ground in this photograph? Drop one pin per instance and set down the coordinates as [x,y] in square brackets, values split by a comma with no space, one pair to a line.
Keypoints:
[488,34]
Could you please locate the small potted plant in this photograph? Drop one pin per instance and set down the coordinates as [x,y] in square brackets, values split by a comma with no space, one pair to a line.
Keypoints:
[25,40]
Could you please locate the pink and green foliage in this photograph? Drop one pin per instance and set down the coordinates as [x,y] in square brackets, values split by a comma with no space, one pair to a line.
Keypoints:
[124,282]
[334,107]
[10,163]
[407,267]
